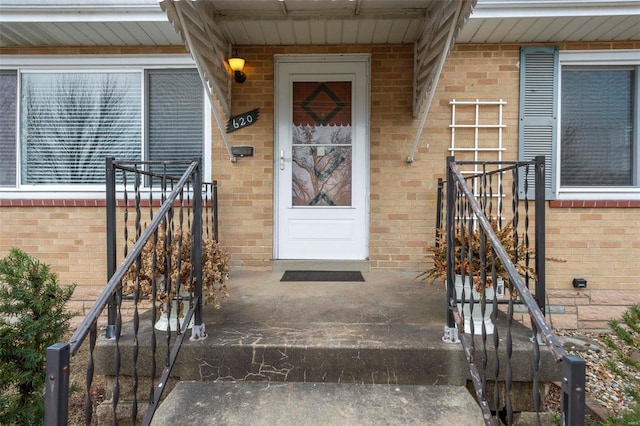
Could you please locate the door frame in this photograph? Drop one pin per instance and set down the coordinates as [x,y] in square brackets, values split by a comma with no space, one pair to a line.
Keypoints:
[310,59]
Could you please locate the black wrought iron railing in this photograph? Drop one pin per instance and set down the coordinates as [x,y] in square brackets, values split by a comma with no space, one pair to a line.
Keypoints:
[491,240]
[179,210]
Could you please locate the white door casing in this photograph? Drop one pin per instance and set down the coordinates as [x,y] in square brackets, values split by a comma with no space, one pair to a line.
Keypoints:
[320,213]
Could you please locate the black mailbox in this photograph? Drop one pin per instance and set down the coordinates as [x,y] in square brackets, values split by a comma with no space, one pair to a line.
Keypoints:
[242,151]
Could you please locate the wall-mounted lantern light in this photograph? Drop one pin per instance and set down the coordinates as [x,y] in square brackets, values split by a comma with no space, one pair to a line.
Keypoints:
[236,64]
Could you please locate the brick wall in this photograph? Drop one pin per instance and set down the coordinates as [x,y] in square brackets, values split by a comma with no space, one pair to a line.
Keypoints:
[402,195]
[601,244]
[69,239]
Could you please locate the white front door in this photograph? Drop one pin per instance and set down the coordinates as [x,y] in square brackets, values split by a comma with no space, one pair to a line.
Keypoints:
[321,157]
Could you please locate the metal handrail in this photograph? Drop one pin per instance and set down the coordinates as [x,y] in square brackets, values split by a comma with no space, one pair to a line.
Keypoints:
[573,367]
[59,354]
[114,282]
[550,339]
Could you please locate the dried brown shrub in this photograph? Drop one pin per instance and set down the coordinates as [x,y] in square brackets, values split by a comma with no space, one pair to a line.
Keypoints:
[170,259]
[472,262]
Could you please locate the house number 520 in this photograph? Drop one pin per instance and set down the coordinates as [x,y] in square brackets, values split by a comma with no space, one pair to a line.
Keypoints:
[245,119]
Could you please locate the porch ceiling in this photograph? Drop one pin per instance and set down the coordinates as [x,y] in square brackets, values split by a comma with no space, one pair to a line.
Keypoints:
[321,22]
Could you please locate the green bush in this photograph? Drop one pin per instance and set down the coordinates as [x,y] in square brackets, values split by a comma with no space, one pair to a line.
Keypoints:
[32,317]
[629,417]
[626,351]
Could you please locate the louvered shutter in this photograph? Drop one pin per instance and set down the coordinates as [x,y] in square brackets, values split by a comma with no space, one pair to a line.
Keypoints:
[539,72]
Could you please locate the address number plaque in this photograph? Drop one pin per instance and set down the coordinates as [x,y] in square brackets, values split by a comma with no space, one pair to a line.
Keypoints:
[240,121]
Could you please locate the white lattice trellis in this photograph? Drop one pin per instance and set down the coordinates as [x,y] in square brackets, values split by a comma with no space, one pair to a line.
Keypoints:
[476,135]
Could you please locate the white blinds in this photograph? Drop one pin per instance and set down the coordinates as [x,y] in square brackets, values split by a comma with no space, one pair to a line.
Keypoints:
[71,121]
[175,116]
[8,91]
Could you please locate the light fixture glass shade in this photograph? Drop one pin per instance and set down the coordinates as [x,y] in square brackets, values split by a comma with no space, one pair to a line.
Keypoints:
[236,64]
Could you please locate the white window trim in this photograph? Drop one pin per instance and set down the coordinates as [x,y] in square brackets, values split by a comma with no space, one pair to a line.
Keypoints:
[52,62]
[597,58]
[95,63]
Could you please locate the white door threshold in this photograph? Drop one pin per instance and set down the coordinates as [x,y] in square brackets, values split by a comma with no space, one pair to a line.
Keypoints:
[321,265]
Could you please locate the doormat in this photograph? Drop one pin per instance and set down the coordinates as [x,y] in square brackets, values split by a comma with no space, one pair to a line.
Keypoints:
[322,276]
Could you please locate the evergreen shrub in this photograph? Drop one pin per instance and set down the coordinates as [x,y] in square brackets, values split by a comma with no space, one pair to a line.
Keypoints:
[33,316]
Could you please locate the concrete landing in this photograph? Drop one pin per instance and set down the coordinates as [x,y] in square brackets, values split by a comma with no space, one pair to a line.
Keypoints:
[309,404]
[386,330]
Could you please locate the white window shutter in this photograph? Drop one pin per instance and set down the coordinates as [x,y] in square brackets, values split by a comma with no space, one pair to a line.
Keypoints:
[539,78]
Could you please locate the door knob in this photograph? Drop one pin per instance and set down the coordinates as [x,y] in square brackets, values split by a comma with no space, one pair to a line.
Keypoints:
[282,159]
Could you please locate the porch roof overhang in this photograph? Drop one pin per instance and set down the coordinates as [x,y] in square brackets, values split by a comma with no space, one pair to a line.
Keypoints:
[209,28]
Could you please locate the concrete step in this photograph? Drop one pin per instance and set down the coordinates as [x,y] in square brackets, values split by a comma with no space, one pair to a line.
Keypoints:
[264,403]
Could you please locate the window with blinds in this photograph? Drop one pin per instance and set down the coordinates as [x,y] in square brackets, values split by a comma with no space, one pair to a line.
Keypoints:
[581,110]
[65,123]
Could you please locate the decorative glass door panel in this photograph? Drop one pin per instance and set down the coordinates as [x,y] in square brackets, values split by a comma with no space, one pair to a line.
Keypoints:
[321,144]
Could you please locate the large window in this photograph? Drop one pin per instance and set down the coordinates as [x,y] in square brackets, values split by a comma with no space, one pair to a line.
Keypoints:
[581,109]
[57,125]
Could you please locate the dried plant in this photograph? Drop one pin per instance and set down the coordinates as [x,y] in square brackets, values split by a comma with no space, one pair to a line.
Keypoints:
[215,269]
[472,263]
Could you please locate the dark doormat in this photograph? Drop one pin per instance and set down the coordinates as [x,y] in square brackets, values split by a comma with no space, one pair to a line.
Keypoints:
[322,276]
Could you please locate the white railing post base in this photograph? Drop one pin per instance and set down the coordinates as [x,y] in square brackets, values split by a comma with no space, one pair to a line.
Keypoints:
[450,335]
[198,333]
